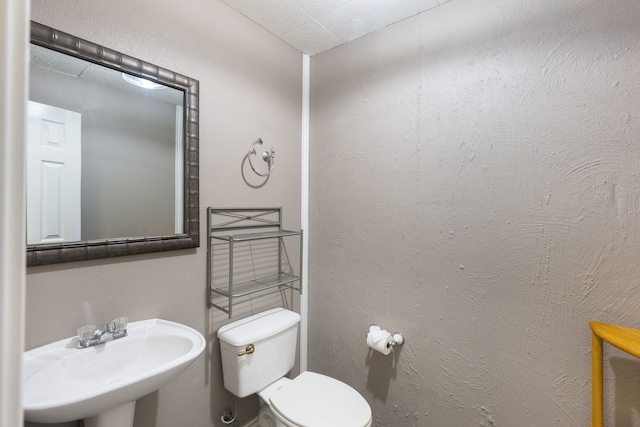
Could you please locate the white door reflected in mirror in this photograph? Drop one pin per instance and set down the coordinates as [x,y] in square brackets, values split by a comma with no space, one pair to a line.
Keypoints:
[54,169]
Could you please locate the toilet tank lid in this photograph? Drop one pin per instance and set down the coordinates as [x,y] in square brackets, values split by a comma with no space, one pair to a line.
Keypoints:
[257,327]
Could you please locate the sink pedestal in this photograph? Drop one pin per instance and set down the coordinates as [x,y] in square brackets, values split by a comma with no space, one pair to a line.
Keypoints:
[120,416]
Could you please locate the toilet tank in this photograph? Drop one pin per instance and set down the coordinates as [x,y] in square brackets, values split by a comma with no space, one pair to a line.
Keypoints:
[274,334]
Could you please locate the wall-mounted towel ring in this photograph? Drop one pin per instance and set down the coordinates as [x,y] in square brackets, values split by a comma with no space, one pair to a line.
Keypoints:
[266,156]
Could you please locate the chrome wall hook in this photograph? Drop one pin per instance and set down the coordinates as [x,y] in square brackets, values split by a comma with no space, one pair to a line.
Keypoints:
[267,156]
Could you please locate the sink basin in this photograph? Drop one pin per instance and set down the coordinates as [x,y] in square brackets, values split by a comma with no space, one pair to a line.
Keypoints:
[63,383]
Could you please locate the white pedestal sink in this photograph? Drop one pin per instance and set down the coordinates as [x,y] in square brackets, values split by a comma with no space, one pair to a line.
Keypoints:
[101,384]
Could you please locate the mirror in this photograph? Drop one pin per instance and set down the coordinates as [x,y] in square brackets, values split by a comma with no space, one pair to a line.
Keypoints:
[112,153]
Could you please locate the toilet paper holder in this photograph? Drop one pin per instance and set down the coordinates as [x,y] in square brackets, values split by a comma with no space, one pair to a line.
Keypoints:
[396,337]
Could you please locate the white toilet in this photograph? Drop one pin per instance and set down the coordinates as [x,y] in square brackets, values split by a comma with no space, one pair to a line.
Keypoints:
[256,354]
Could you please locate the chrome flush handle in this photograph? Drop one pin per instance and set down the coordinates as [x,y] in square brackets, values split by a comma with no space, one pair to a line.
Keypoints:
[249,350]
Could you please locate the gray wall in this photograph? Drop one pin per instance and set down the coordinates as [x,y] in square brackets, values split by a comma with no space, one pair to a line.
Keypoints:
[475,185]
[250,87]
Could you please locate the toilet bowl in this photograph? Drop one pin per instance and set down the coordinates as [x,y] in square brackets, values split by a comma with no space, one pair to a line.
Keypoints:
[313,399]
[257,352]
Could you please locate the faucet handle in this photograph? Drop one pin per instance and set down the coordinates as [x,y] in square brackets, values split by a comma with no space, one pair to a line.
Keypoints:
[120,323]
[87,332]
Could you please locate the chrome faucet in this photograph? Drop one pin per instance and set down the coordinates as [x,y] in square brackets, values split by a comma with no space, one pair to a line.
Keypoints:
[90,335]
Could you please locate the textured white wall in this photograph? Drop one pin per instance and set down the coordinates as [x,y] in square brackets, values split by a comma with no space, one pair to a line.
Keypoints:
[250,87]
[475,184]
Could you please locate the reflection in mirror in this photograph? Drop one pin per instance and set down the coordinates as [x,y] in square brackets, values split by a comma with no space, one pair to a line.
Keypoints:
[118,134]
[111,153]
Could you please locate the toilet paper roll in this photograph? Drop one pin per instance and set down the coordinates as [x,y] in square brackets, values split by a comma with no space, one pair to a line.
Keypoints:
[380,341]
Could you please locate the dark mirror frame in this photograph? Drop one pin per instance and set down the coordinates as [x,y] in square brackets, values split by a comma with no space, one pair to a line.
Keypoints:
[55,253]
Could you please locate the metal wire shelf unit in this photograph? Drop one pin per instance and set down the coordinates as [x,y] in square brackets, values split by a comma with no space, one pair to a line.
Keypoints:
[230,228]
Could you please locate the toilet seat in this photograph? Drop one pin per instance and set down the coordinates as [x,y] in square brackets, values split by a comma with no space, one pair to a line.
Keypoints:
[315,400]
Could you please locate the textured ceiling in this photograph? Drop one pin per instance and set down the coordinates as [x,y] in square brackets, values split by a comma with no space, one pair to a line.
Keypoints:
[54,62]
[313,26]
